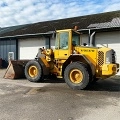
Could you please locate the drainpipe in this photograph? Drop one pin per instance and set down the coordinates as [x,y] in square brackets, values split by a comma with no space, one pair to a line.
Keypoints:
[91,39]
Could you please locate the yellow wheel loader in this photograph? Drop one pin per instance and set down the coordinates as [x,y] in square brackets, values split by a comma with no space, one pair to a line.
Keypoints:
[77,64]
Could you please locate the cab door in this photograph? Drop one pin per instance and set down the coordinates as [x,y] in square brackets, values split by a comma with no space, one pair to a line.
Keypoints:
[64,45]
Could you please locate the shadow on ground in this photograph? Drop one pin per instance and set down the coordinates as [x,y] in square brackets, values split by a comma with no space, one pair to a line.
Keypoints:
[53,80]
[111,85]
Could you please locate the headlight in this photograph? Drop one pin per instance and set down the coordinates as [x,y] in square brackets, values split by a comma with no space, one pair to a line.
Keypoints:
[107,60]
[109,57]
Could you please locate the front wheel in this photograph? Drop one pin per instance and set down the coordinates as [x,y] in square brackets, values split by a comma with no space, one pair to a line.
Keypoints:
[76,75]
[33,71]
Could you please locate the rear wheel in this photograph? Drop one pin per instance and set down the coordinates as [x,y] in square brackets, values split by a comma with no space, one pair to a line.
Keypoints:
[33,71]
[76,75]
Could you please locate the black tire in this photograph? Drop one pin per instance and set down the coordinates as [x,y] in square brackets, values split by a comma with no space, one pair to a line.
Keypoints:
[33,71]
[83,77]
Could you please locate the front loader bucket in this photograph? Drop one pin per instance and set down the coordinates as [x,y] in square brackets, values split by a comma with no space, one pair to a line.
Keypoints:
[15,69]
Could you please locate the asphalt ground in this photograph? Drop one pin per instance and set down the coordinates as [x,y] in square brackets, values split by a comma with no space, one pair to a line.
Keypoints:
[54,100]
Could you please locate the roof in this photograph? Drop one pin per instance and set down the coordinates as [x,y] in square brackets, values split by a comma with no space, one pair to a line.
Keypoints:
[94,21]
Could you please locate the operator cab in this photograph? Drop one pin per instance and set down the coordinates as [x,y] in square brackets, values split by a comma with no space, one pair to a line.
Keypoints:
[64,38]
[65,41]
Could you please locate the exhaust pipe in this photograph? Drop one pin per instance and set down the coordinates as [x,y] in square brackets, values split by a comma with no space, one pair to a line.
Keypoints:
[91,39]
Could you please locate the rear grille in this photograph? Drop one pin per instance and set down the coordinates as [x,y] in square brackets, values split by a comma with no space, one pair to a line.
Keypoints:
[100,58]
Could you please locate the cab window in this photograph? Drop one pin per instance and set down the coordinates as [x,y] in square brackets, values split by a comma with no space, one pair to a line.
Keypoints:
[57,41]
[75,39]
[64,40]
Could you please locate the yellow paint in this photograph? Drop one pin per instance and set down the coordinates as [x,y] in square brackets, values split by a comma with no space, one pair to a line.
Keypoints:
[89,52]
[64,53]
[33,71]
[109,69]
[105,67]
[76,76]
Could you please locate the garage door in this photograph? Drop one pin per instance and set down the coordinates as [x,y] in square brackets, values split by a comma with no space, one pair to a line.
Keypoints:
[28,48]
[110,39]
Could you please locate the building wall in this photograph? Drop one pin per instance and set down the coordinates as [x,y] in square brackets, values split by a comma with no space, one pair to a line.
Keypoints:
[52,43]
[107,38]
[8,45]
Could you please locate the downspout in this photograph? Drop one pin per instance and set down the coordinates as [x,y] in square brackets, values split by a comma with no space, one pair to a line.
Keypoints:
[91,39]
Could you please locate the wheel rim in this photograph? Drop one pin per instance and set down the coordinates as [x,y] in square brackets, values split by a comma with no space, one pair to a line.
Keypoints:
[76,76]
[33,71]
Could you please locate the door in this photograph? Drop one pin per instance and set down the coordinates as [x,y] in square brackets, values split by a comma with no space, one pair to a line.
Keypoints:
[64,45]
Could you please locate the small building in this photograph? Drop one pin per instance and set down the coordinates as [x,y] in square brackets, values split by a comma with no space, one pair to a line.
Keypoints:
[23,41]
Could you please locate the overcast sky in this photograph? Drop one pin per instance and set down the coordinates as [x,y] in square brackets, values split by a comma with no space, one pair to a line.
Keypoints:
[16,12]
